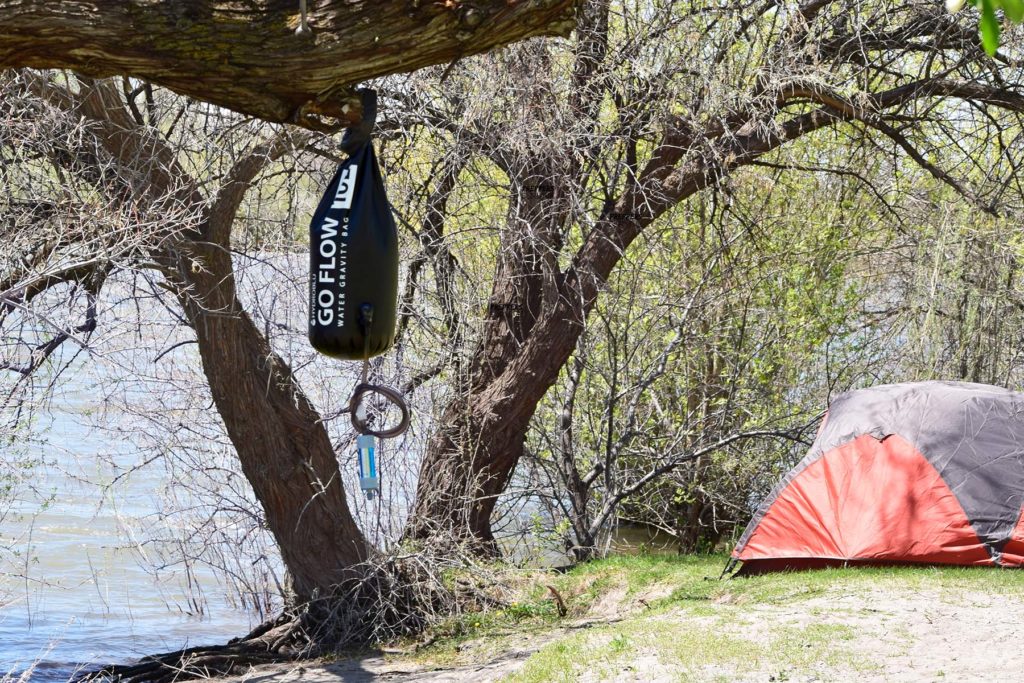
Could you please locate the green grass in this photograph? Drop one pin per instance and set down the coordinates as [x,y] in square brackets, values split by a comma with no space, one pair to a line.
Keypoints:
[692,633]
[675,614]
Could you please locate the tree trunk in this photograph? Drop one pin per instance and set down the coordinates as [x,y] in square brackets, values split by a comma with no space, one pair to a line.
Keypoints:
[247,56]
[280,439]
[282,445]
[479,440]
[577,487]
[688,525]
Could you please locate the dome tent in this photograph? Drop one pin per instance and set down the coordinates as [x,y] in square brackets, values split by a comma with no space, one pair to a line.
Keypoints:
[928,472]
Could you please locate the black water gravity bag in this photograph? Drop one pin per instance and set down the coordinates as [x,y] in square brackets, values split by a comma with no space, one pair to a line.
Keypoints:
[353,254]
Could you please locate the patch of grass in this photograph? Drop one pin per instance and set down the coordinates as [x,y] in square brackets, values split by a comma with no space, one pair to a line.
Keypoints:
[636,643]
[531,610]
[675,615]
[695,650]
[817,646]
[556,662]
[693,577]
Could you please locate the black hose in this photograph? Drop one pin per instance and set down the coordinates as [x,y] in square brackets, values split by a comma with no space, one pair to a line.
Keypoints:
[392,395]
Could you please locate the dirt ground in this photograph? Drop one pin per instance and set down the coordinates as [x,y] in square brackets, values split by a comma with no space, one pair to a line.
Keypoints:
[389,669]
[933,636]
[915,636]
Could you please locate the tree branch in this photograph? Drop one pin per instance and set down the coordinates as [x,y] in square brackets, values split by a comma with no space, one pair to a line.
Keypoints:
[247,57]
[240,178]
[654,473]
[934,170]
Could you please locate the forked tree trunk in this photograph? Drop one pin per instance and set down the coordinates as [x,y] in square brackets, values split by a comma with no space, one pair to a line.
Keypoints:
[479,440]
[530,328]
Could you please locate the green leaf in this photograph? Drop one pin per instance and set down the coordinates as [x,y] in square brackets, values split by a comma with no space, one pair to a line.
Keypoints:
[1014,10]
[989,27]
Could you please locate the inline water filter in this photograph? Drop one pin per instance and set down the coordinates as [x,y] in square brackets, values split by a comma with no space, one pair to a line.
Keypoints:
[369,480]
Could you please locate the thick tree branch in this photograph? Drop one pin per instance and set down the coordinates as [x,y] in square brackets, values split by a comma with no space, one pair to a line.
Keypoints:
[240,178]
[870,104]
[868,112]
[665,183]
[247,56]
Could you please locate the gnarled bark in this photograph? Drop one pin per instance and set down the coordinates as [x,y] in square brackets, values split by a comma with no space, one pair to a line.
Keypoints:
[282,444]
[247,56]
[475,448]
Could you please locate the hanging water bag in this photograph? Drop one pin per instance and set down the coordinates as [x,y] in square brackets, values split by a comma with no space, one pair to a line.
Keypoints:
[353,254]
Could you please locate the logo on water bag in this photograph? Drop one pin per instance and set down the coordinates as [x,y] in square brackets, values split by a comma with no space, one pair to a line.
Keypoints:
[346,188]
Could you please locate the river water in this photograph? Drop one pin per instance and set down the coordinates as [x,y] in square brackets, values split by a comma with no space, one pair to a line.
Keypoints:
[76,589]
[123,491]
[113,502]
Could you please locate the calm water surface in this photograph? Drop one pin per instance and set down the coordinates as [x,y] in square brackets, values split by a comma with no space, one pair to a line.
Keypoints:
[77,592]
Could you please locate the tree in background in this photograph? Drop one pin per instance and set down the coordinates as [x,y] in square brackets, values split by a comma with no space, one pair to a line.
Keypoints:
[650,105]
[120,195]
[710,330]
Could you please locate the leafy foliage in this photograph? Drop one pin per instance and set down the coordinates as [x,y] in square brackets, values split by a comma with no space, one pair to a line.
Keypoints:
[988,24]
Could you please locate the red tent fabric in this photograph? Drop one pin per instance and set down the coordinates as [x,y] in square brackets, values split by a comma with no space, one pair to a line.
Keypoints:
[929,472]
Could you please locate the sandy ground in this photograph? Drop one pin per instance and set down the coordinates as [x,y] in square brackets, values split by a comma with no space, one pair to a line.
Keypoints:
[919,636]
[932,636]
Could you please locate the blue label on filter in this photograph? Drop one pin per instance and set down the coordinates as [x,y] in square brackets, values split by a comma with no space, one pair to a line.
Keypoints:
[367,463]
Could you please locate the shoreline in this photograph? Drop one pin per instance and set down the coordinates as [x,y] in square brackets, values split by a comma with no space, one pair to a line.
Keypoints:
[663,618]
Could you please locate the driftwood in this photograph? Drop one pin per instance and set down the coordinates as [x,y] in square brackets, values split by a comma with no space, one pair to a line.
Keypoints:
[247,56]
[267,644]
